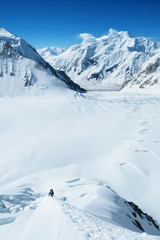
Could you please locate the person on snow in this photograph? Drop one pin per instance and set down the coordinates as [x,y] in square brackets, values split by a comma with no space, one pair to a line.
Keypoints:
[51,193]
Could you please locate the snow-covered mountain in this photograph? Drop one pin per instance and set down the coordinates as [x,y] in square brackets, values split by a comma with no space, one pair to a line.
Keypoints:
[21,65]
[107,62]
[50,51]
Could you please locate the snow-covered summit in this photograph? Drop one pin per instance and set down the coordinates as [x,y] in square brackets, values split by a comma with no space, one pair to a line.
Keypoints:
[20,45]
[5,33]
[112,32]
[106,62]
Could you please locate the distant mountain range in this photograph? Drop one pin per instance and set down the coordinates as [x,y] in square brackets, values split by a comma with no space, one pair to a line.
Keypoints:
[51,51]
[22,66]
[112,62]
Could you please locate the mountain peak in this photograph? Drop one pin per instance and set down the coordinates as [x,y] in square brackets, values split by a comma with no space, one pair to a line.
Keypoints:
[127,34]
[5,33]
[112,31]
[87,37]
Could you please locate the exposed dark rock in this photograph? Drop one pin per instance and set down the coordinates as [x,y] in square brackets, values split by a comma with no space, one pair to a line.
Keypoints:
[154,82]
[142,215]
[153,67]
[97,76]
[138,225]
[111,69]
[134,214]
[63,77]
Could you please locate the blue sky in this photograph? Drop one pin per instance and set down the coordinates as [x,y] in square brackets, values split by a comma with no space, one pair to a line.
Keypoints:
[59,23]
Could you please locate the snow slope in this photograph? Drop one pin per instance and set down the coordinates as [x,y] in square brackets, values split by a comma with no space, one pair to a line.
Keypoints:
[107,62]
[21,66]
[79,144]
[70,223]
[58,219]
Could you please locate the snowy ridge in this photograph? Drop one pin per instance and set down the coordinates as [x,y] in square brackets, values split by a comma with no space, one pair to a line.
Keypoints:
[107,62]
[21,66]
[72,220]
[72,223]
[20,45]
[104,203]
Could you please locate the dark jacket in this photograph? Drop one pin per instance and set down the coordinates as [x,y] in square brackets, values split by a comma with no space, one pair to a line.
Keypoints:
[51,193]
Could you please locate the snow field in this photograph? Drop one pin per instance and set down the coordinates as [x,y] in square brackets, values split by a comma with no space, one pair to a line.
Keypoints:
[106,137]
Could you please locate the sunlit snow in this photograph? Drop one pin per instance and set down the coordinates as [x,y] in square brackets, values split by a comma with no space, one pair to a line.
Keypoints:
[79,145]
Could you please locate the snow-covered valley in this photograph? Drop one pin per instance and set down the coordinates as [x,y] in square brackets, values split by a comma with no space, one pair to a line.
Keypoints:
[98,150]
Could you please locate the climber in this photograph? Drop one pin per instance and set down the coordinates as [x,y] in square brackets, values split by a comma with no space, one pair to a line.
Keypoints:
[51,193]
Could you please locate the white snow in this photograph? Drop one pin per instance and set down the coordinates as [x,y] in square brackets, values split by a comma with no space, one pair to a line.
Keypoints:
[78,144]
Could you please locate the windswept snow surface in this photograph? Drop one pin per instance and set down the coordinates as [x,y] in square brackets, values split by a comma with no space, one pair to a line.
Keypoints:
[85,147]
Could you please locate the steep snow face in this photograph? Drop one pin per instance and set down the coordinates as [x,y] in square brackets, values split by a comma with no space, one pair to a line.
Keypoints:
[17,72]
[60,220]
[106,62]
[103,202]
[148,76]
[21,66]
[20,45]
